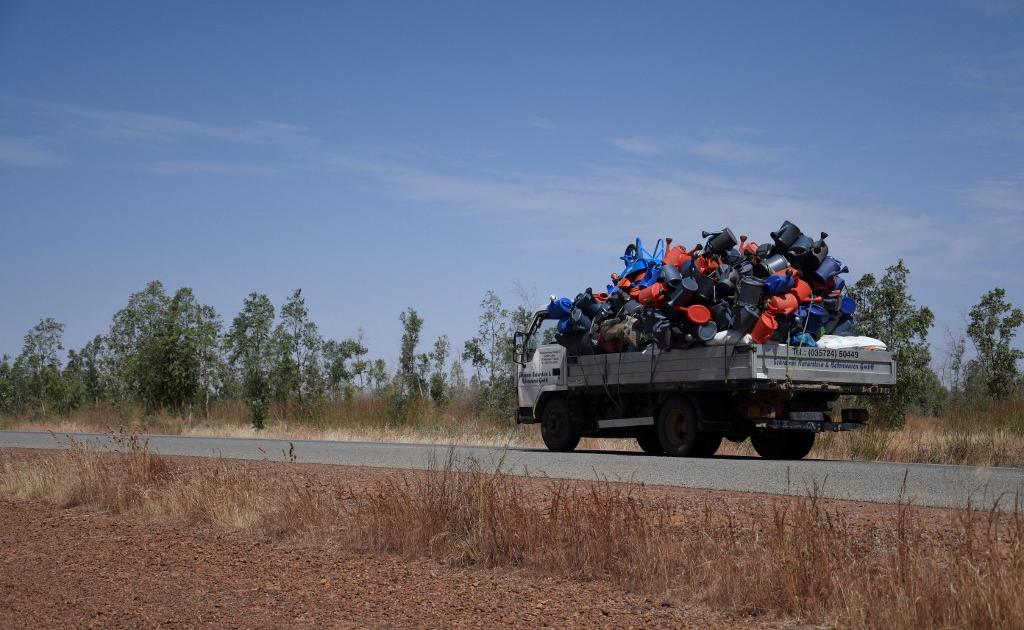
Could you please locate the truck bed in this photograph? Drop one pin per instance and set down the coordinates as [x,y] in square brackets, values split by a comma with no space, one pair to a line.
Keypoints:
[769,365]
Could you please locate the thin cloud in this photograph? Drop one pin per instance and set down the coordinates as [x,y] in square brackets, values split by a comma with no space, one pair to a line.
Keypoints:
[714,149]
[999,73]
[27,152]
[736,152]
[212,168]
[997,194]
[644,146]
[541,123]
[587,211]
[122,126]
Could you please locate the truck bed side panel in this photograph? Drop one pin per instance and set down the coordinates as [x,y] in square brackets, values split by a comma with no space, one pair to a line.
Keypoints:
[723,364]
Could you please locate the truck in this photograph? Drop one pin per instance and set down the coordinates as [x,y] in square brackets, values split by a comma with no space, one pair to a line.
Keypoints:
[685,402]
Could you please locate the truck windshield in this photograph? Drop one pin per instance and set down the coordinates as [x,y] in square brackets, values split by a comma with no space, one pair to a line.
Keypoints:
[544,334]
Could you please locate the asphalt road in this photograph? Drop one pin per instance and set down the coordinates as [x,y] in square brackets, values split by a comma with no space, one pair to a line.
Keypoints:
[920,484]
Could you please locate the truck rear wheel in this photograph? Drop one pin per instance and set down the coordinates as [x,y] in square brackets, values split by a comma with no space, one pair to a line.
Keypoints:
[707,444]
[556,427]
[649,443]
[783,444]
[677,427]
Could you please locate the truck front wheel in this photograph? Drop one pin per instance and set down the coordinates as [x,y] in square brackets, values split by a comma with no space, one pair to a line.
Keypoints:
[783,444]
[677,427]
[556,427]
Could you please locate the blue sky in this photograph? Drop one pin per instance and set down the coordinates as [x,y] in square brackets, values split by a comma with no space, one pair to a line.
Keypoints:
[380,155]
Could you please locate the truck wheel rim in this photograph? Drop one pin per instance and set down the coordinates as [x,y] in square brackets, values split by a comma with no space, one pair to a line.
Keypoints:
[556,424]
[676,426]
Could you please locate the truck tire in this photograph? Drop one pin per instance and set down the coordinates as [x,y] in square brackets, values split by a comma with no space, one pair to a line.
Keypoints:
[783,444]
[649,443]
[677,427]
[707,444]
[556,427]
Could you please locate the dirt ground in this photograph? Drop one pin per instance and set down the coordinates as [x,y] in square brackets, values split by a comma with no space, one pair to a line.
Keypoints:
[74,568]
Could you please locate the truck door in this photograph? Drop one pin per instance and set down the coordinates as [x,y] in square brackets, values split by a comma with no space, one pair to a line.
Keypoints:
[543,368]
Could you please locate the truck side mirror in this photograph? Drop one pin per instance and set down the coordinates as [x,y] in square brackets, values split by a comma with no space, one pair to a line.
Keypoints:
[519,343]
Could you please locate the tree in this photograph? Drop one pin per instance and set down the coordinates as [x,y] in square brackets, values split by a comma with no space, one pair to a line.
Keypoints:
[283,378]
[246,343]
[953,366]
[132,338]
[36,375]
[377,374]
[305,342]
[88,365]
[339,372]
[6,385]
[440,391]
[886,311]
[993,325]
[182,356]
[408,368]
[490,353]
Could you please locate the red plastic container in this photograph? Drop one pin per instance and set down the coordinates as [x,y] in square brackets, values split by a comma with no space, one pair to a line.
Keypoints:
[696,313]
[765,328]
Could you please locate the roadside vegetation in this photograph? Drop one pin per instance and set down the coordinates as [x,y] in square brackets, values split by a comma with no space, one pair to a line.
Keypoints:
[170,364]
[790,559]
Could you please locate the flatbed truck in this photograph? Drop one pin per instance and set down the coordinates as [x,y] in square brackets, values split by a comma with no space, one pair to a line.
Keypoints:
[685,402]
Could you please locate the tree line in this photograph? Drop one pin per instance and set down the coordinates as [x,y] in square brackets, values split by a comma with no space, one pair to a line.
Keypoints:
[174,353]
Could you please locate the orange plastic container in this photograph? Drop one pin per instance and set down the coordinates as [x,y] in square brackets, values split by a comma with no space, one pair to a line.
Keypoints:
[785,304]
[696,313]
[676,256]
[653,295]
[802,291]
[765,328]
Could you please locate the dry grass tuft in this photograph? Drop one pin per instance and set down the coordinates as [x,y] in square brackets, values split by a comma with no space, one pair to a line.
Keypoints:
[796,558]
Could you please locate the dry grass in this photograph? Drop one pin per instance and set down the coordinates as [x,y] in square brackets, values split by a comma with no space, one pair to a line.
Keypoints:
[796,558]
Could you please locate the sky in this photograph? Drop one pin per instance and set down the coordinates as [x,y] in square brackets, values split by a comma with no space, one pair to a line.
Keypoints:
[381,155]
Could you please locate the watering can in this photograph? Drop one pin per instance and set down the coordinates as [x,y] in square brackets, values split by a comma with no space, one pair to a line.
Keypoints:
[818,252]
[559,308]
[670,274]
[799,250]
[653,295]
[764,328]
[847,306]
[747,247]
[785,236]
[578,320]
[802,291]
[722,314]
[771,265]
[815,318]
[728,279]
[785,304]
[696,313]
[684,293]
[676,256]
[706,332]
[778,284]
[632,307]
[705,288]
[719,242]
[745,318]
[750,291]
[829,269]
